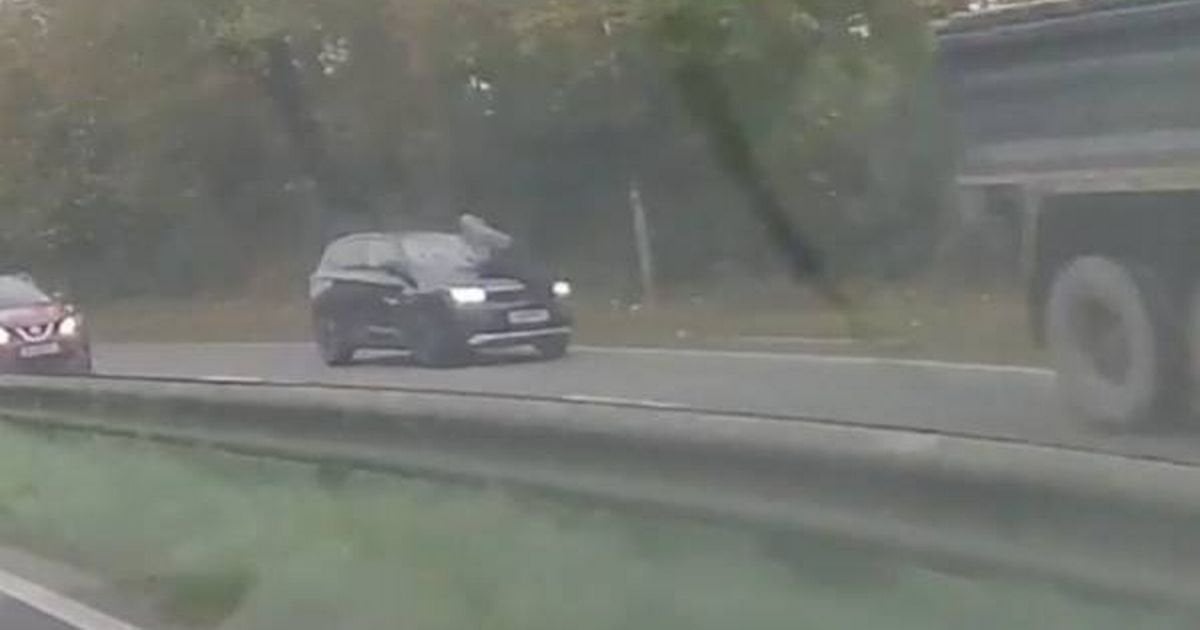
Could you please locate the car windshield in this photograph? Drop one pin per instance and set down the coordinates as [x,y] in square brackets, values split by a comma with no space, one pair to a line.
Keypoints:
[384,252]
[15,293]
[438,250]
[602,314]
[441,258]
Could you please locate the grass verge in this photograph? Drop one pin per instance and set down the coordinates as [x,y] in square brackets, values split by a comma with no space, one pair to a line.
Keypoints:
[220,541]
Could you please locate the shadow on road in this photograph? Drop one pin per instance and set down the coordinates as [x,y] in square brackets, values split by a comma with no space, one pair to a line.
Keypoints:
[487,358]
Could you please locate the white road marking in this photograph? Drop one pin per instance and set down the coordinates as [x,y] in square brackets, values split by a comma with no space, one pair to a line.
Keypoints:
[819,358]
[58,606]
[611,400]
[813,341]
[232,380]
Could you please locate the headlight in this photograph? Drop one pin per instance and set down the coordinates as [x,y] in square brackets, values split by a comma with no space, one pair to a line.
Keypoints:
[468,295]
[5,337]
[561,289]
[69,326]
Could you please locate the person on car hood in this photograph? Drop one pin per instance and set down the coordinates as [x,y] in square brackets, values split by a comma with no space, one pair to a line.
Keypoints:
[496,254]
[484,240]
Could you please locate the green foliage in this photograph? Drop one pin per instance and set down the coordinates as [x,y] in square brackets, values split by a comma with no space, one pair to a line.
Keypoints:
[154,145]
[229,542]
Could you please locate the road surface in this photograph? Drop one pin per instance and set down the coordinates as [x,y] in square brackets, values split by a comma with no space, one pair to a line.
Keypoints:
[988,401]
[28,605]
[19,616]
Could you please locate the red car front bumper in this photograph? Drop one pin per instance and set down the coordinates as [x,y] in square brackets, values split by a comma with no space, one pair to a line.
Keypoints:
[57,355]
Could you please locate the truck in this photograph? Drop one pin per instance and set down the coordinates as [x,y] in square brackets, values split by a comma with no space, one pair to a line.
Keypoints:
[1081,118]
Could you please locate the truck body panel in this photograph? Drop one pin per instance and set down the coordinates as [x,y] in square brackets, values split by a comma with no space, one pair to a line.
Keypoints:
[1077,95]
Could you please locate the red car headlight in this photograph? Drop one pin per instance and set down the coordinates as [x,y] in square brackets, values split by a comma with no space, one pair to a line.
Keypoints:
[70,326]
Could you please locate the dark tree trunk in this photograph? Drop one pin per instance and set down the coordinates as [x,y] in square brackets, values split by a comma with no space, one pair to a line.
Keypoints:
[343,209]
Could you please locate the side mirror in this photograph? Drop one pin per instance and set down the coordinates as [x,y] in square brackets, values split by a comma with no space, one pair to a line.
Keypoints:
[61,298]
[399,271]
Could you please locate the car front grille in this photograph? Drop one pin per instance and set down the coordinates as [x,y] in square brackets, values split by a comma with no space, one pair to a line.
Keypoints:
[35,333]
[508,295]
[509,292]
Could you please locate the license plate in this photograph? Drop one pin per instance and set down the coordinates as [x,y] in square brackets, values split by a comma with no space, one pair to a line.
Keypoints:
[39,350]
[535,316]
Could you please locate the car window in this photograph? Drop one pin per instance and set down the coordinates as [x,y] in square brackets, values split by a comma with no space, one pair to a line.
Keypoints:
[15,292]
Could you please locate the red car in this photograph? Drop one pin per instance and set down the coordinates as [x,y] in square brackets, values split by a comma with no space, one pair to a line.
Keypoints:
[39,334]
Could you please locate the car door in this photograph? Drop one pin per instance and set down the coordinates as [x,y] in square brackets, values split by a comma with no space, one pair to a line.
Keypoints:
[382,303]
[343,286]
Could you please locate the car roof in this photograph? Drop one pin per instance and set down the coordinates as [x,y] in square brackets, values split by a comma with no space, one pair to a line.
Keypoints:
[427,233]
[388,236]
[24,284]
[19,276]
[360,236]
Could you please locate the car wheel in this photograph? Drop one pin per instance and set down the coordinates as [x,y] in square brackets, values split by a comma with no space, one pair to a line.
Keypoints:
[331,342]
[553,347]
[1114,342]
[436,345]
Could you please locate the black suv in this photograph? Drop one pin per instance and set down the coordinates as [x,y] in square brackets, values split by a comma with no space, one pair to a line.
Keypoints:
[437,294]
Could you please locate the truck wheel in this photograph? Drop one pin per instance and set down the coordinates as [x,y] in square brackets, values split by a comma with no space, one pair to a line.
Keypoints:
[1114,342]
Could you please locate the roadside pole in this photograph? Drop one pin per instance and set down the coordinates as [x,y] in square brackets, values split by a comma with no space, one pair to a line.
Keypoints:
[645,252]
[641,225]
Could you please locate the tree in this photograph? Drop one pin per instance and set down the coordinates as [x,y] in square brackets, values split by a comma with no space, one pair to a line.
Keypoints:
[169,144]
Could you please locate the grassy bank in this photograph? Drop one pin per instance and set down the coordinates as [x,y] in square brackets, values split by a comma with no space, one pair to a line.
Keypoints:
[218,541]
[907,322]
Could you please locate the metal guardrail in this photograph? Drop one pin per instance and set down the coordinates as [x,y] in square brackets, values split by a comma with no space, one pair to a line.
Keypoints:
[1119,525]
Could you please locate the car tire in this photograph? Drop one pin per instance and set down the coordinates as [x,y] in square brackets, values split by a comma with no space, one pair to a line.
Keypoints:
[331,342]
[1115,343]
[553,347]
[436,345]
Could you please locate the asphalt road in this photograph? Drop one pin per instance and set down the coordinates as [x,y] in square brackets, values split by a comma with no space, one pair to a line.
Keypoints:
[26,604]
[988,401]
[16,615]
